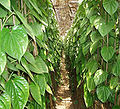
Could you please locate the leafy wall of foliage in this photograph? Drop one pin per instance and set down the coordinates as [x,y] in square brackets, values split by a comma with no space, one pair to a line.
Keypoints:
[30,48]
[93,47]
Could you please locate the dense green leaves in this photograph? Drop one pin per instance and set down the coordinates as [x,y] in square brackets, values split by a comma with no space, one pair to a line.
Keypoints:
[18,90]
[5,101]
[110,6]
[15,42]
[116,107]
[92,43]
[103,93]
[27,26]
[107,53]
[2,62]
[100,76]
[30,57]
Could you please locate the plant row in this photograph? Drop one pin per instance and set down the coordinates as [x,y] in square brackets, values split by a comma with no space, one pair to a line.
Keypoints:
[30,49]
[93,48]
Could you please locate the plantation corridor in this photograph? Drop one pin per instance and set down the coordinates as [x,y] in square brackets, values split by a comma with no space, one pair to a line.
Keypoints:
[59,54]
[63,94]
[65,12]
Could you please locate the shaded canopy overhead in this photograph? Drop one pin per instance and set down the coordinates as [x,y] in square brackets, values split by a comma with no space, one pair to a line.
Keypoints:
[65,13]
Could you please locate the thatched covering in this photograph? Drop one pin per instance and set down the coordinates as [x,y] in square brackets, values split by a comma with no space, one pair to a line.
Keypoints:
[65,12]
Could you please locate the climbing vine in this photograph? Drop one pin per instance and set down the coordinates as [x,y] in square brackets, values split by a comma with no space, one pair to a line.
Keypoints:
[30,50]
[93,48]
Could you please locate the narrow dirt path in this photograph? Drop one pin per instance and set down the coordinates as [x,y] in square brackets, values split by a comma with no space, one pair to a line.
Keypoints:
[63,94]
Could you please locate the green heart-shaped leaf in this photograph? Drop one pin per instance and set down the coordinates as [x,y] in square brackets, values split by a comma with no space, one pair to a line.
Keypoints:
[116,69]
[87,97]
[35,91]
[100,76]
[107,53]
[18,90]
[110,6]
[41,81]
[103,93]
[114,82]
[15,42]
[101,25]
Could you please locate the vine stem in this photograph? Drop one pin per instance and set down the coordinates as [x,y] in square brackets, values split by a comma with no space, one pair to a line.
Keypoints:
[14,20]
[107,47]
[1,24]
[119,24]
[22,6]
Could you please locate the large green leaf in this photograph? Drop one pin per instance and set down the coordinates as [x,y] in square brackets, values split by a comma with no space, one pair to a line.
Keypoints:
[100,76]
[114,82]
[107,53]
[35,91]
[92,66]
[41,64]
[5,102]
[116,69]
[6,4]
[103,93]
[15,42]
[18,90]
[95,36]
[94,47]
[40,80]
[110,6]
[38,30]
[27,26]
[90,83]
[87,97]
[2,62]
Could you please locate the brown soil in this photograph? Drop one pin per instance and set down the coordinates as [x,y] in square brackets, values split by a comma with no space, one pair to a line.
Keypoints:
[63,95]
[65,98]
